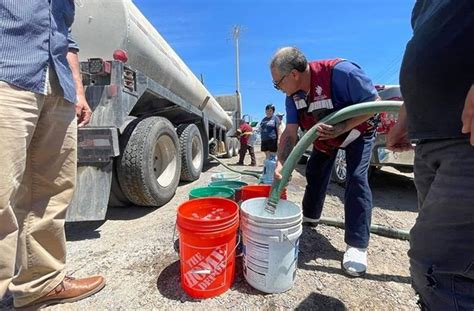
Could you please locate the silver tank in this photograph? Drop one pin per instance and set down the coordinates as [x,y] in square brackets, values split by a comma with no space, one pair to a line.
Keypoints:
[102,26]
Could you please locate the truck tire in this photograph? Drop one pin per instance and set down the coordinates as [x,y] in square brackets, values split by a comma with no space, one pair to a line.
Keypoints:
[229,147]
[236,146]
[191,150]
[116,197]
[150,166]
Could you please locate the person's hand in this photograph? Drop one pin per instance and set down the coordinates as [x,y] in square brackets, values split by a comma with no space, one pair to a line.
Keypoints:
[326,131]
[83,112]
[468,115]
[277,173]
[397,139]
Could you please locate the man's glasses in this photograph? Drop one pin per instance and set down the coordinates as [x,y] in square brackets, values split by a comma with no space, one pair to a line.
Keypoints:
[276,85]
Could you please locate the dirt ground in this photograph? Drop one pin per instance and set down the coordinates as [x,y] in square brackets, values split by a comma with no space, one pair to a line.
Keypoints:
[134,250]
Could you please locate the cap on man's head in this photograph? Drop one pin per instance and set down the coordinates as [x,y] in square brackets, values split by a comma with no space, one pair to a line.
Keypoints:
[270,106]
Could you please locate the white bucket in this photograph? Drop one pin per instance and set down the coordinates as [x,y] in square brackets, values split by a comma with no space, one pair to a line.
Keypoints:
[270,244]
[227,176]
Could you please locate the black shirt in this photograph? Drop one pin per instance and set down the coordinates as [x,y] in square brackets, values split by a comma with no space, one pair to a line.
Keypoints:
[438,67]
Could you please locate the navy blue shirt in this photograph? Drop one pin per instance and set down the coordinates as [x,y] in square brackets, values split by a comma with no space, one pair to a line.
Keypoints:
[269,128]
[35,34]
[349,85]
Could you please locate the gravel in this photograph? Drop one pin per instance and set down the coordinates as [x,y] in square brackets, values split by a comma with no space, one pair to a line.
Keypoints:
[134,250]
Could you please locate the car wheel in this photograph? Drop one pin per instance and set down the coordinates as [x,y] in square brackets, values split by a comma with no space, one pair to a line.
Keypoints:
[339,170]
[303,160]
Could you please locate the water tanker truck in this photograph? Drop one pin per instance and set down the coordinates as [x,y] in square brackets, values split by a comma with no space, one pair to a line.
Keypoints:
[154,123]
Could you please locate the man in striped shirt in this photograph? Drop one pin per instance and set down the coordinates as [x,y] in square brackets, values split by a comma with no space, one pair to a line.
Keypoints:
[42,103]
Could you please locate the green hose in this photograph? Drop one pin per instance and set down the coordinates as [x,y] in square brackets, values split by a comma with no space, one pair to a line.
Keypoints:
[307,139]
[244,172]
[377,229]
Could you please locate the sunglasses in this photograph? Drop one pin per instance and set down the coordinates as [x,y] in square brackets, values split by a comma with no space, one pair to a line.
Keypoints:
[276,85]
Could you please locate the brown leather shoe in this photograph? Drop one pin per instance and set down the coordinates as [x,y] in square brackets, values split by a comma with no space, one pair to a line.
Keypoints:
[69,290]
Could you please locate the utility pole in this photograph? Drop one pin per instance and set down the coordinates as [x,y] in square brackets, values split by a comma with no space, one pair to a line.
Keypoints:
[235,35]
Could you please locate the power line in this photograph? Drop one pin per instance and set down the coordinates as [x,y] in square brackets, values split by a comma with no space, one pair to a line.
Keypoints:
[391,68]
[390,73]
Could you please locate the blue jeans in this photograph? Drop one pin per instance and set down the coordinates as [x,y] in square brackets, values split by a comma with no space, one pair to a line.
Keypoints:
[358,196]
[442,239]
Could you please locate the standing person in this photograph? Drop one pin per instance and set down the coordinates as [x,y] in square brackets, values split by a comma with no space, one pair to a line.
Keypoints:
[269,131]
[245,131]
[39,77]
[314,90]
[436,78]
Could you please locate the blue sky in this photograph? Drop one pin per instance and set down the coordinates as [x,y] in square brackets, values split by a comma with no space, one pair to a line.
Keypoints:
[373,33]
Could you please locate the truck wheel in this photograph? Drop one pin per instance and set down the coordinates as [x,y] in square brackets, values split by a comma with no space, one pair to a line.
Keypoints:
[229,147]
[116,197]
[236,146]
[192,151]
[149,166]
[339,170]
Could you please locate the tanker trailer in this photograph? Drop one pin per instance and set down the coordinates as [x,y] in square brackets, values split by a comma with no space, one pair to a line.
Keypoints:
[153,124]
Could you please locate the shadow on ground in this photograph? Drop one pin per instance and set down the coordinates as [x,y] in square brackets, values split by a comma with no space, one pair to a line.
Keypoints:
[169,284]
[129,212]
[314,245]
[87,230]
[317,301]
[209,165]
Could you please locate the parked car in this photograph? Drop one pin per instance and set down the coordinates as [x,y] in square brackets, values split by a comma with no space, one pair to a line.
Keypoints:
[381,156]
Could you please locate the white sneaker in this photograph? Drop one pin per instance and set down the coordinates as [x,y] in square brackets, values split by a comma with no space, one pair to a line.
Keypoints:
[310,221]
[355,261]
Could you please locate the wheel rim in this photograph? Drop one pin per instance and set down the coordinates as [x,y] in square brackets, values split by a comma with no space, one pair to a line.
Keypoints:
[236,146]
[230,147]
[165,161]
[341,165]
[196,152]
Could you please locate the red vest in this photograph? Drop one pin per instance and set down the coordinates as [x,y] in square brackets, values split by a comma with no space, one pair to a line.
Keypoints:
[319,99]
[245,128]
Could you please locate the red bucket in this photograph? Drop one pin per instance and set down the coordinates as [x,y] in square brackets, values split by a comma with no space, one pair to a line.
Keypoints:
[258,191]
[207,241]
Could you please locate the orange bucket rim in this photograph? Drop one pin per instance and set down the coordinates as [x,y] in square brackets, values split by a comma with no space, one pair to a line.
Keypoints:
[199,202]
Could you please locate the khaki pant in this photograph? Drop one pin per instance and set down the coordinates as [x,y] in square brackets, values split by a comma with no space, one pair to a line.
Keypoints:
[38,138]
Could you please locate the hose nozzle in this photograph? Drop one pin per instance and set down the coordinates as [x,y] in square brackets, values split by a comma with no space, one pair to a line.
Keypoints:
[270,206]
